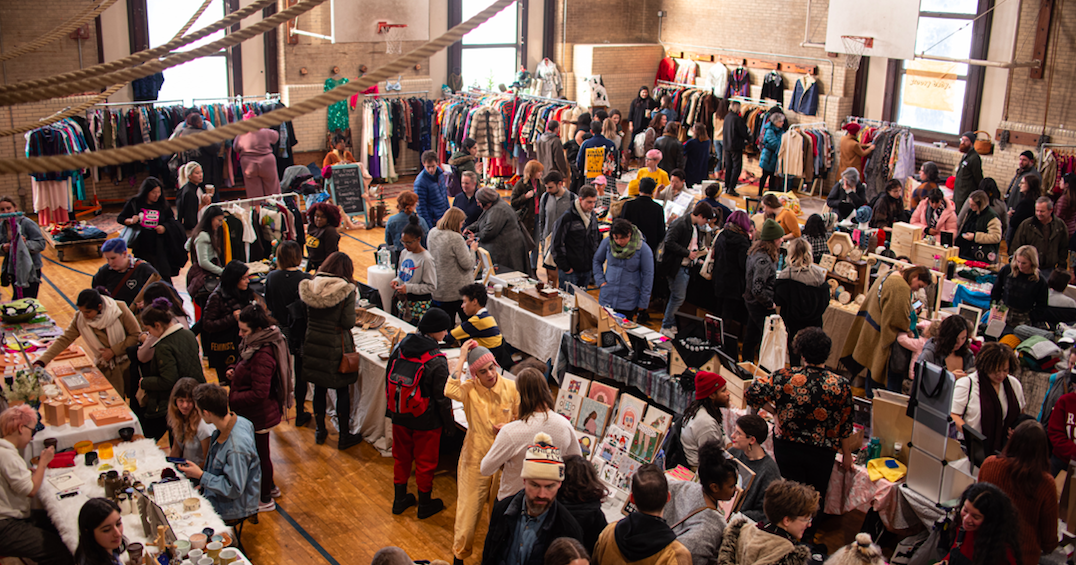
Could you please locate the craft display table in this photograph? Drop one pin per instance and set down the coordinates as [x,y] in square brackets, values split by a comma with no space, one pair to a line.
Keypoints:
[538,336]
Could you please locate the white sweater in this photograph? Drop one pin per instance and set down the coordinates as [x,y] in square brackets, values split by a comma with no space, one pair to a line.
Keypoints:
[510,448]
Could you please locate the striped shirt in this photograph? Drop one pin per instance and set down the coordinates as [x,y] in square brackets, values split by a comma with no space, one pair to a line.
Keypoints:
[482,328]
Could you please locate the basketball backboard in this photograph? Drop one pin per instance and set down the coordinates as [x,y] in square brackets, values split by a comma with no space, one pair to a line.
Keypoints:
[891,25]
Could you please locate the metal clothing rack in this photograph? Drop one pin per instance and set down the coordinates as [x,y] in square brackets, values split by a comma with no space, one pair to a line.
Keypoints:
[869,121]
[821,125]
[394,93]
[536,97]
[146,103]
[238,98]
[808,125]
[256,199]
[685,85]
[756,101]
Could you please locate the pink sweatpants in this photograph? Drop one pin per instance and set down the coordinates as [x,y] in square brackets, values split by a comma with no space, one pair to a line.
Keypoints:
[259,175]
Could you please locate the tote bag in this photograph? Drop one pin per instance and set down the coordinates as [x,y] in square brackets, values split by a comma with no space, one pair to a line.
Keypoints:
[774,350]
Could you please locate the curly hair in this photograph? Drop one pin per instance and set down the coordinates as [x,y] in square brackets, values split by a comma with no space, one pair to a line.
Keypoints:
[330,211]
[998,531]
[813,345]
[714,467]
[815,226]
[581,483]
[948,332]
[406,199]
[995,356]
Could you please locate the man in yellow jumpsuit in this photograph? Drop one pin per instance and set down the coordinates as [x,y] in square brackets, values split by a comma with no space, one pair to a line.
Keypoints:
[489,402]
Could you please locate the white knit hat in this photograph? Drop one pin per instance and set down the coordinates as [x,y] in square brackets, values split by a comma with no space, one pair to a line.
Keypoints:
[543,460]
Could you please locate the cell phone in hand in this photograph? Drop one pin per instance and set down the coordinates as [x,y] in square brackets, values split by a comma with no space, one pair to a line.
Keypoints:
[175,460]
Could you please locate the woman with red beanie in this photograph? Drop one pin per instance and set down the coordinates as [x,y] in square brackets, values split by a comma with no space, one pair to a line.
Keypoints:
[702,419]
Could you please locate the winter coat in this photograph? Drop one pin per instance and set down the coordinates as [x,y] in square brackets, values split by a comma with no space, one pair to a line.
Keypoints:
[637,113]
[838,194]
[463,161]
[453,262]
[1017,291]
[744,543]
[852,153]
[432,198]
[330,314]
[487,129]
[506,514]
[803,296]
[590,517]
[677,240]
[574,243]
[730,261]
[595,141]
[1012,193]
[1002,211]
[771,142]
[163,250]
[219,325]
[760,279]
[735,133]
[498,231]
[886,211]
[947,221]
[394,229]
[551,154]
[175,356]
[969,173]
[697,161]
[672,153]
[1062,427]
[550,209]
[187,200]
[630,280]
[885,313]
[649,217]
[250,394]
[640,539]
[525,207]
[431,385]
[1053,248]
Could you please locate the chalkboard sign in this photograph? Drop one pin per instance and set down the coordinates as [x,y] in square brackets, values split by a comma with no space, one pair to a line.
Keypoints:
[348,188]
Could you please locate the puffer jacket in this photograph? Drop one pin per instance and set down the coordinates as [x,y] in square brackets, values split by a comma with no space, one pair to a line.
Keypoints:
[947,221]
[730,260]
[330,313]
[771,142]
[803,296]
[251,393]
[432,198]
[630,280]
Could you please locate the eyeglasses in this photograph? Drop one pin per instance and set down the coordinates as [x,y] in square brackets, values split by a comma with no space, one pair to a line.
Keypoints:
[408,241]
[33,431]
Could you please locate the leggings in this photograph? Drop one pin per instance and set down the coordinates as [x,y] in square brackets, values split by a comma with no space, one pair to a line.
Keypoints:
[259,175]
[770,176]
[261,442]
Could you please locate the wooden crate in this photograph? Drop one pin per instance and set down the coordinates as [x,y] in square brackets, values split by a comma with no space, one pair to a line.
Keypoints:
[77,415]
[903,238]
[537,303]
[113,415]
[678,366]
[923,253]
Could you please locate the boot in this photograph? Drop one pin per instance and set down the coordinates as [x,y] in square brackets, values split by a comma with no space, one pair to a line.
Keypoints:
[302,418]
[457,561]
[403,499]
[348,440]
[428,506]
[320,433]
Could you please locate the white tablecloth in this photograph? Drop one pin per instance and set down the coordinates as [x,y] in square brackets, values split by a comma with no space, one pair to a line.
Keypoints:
[66,435]
[64,513]
[535,335]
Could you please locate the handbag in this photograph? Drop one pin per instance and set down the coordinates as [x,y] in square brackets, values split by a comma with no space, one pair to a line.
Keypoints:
[774,348]
[985,252]
[707,269]
[349,363]
[528,238]
[128,234]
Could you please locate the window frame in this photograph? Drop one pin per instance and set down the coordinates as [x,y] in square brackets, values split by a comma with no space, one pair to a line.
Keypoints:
[138,30]
[973,92]
[455,51]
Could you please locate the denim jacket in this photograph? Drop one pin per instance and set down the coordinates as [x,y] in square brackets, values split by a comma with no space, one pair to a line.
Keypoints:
[232,477]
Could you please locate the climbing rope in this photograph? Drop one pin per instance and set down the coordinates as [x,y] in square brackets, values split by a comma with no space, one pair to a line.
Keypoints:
[59,32]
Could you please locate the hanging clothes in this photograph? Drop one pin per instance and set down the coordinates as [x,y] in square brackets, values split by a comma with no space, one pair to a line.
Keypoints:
[739,83]
[548,79]
[805,96]
[773,87]
[54,193]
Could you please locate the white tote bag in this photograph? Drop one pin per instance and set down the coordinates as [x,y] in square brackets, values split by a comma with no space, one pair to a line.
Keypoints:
[773,354]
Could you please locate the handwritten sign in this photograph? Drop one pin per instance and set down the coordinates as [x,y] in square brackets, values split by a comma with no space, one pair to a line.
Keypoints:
[348,188]
[594,161]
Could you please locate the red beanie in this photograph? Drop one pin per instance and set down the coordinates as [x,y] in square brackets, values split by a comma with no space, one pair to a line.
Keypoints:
[852,128]
[950,183]
[707,383]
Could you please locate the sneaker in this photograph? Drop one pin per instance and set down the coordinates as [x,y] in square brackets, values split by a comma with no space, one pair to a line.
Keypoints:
[267,506]
[275,493]
[669,332]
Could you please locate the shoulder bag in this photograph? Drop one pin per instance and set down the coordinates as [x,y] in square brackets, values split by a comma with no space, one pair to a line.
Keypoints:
[349,362]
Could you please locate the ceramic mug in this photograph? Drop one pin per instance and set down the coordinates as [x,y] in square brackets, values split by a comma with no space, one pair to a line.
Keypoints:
[205,561]
[182,547]
[198,541]
[134,552]
[195,555]
[212,549]
[228,555]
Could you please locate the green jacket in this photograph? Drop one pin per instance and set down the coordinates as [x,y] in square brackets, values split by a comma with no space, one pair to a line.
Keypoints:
[175,356]
[330,314]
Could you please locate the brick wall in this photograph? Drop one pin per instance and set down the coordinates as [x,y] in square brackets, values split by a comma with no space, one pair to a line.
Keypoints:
[24,21]
[1027,96]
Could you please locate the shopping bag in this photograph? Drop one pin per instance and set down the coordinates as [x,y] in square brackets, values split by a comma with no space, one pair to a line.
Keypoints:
[774,351]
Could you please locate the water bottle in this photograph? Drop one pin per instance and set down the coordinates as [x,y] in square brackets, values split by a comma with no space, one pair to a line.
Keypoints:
[384,258]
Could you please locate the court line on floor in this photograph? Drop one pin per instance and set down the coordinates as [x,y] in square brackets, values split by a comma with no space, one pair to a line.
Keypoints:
[58,291]
[306,535]
[50,260]
[359,240]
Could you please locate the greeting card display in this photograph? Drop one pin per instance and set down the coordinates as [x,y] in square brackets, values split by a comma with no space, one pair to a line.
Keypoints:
[593,417]
[646,443]
[630,412]
[612,445]
[658,419]
[602,393]
[572,393]
[587,444]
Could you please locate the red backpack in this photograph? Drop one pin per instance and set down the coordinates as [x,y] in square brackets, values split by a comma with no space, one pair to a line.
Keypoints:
[403,388]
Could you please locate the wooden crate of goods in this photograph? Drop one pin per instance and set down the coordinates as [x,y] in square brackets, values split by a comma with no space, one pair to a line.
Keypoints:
[540,303]
[923,253]
[113,415]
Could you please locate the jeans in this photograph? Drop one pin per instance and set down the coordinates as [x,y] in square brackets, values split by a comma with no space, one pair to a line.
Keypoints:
[733,168]
[677,295]
[719,151]
[580,279]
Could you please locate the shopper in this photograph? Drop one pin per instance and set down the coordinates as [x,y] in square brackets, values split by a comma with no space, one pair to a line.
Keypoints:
[581,495]
[730,281]
[141,355]
[339,154]
[498,232]
[650,170]
[935,214]
[232,477]
[322,237]
[848,194]
[760,279]
[735,136]
[21,269]
[628,276]
[478,324]
[454,261]
[524,524]
[405,204]
[928,182]
[721,211]
[815,233]
[220,319]
[1020,286]
[801,292]
[1059,283]
[281,295]
[257,160]
[646,215]
[122,275]
[551,152]
[192,197]
[525,202]
[175,356]
[1066,205]
[596,140]
[773,208]
[655,130]
[566,551]
[682,246]
[998,206]
[100,533]
[25,532]
[611,131]
[890,206]
[108,328]
[1060,418]
[416,276]
[790,507]
[692,511]
[969,172]
[157,236]
[980,235]
[186,428]
[672,151]
[852,153]
[1047,234]
[702,418]
[417,375]
[643,536]
[576,239]
[747,438]
[990,400]
[555,201]
[1022,472]
[466,200]
[697,155]
[673,191]
[432,197]
[206,249]
[771,143]
[988,532]
[949,349]
[536,415]
[641,110]
[814,407]
[465,158]
[489,401]
[330,314]
[1025,168]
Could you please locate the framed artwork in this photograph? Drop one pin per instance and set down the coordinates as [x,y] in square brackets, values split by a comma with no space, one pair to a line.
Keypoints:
[646,443]
[602,393]
[973,315]
[593,417]
[630,412]
[587,444]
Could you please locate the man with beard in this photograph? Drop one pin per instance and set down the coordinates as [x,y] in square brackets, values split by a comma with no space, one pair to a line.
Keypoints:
[1026,167]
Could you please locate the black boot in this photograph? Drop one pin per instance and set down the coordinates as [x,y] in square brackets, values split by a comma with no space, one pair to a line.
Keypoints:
[457,561]
[403,499]
[320,433]
[428,506]
[302,418]
[348,440]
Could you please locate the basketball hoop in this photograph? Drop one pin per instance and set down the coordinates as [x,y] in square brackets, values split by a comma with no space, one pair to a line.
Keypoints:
[854,47]
[393,39]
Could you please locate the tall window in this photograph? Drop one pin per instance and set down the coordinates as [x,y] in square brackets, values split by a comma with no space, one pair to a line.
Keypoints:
[205,77]
[937,96]
[490,53]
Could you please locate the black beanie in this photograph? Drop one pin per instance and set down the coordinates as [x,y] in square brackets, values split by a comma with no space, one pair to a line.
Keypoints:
[433,321]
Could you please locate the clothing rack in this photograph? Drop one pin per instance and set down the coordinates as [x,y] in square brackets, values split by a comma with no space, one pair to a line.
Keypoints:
[682,84]
[256,199]
[146,103]
[393,93]
[809,125]
[816,125]
[536,97]
[238,98]
[869,121]
[756,101]
[1069,145]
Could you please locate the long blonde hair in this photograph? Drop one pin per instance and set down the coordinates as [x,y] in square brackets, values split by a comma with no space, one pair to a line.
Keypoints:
[799,254]
[183,428]
[1031,254]
[532,170]
[451,220]
[609,129]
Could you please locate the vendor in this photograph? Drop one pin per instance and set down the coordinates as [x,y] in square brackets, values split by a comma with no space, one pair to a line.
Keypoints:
[702,418]
[935,213]
[100,533]
[990,400]
[651,170]
[27,253]
[980,234]
[25,532]
[949,347]
[122,275]
[1020,286]
[848,194]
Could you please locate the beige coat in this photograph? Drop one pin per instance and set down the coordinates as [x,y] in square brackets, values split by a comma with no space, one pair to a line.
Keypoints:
[606,552]
[879,321]
[117,375]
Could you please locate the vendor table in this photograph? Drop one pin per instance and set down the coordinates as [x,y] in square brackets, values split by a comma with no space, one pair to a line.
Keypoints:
[900,508]
[61,246]
[837,322]
[658,385]
[538,336]
[150,462]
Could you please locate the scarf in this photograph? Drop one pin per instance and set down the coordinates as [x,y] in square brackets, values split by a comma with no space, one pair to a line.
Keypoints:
[582,214]
[271,336]
[993,425]
[108,320]
[628,250]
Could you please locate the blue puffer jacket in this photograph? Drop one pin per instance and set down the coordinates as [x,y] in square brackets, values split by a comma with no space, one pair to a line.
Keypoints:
[771,142]
[432,197]
[630,280]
